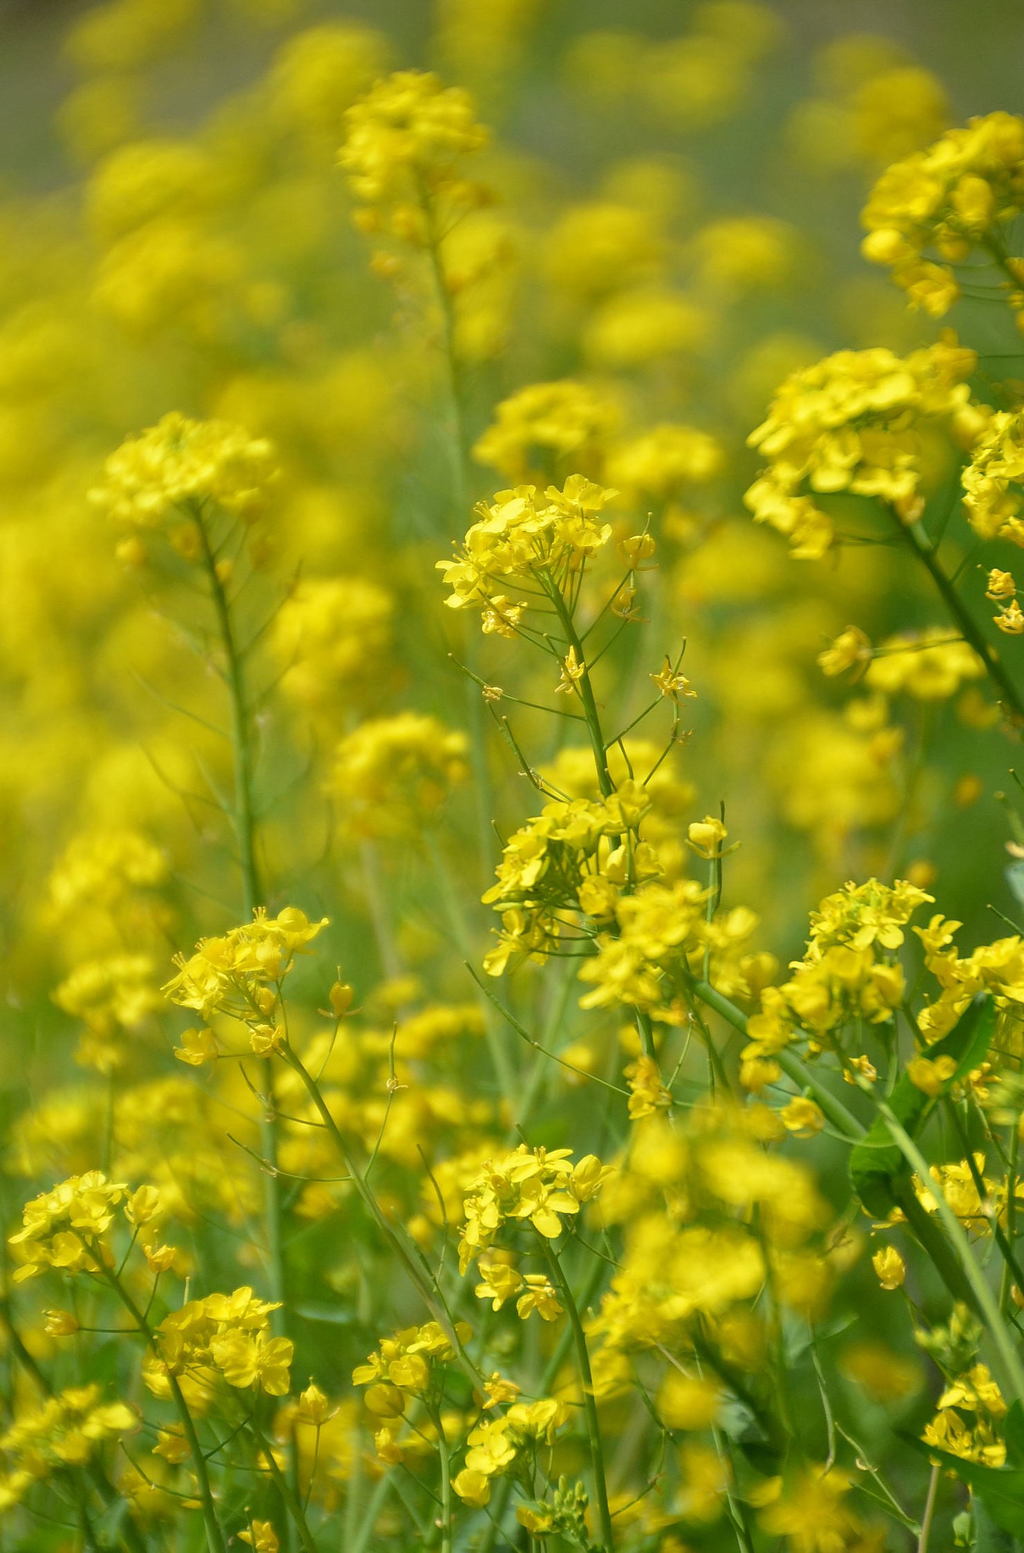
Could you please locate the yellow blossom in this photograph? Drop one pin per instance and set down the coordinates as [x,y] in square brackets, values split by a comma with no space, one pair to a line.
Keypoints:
[1011,620]
[572,672]
[890,1267]
[671,683]
[178,465]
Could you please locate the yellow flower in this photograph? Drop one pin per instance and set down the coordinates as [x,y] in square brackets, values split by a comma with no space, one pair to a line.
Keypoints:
[539,1296]
[403,143]
[239,973]
[1000,585]
[849,423]
[179,465]
[931,1075]
[851,649]
[1011,620]
[802,1116]
[572,672]
[65,1227]
[672,684]
[523,536]
[890,1267]
[946,198]
[706,836]
[473,1487]
[546,425]
[647,1093]
[810,1512]
[261,1537]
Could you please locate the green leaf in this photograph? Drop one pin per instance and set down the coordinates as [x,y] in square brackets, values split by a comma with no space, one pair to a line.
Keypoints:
[876,1163]
[990,1538]
[999,1489]
[1013,1433]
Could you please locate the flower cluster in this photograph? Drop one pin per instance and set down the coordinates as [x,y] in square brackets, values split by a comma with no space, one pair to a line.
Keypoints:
[222,1338]
[523,539]
[575,857]
[930,665]
[968,1421]
[404,143]
[659,939]
[997,968]
[526,1186]
[849,972]
[852,423]
[994,479]
[333,638]
[67,1430]
[860,915]
[689,1199]
[546,429]
[66,1227]
[179,466]
[400,1370]
[240,972]
[959,195]
[496,1445]
[69,1228]
[664,464]
[104,869]
[502,1281]
[390,774]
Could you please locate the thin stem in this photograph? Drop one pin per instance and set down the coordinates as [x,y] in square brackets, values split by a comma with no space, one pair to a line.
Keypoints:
[452,904]
[925,551]
[356,1543]
[1002,1241]
[789,1062]
[418,1276]
[291,1500]
[589,1402]
[252,891]
[929,1510]
[444,1520]
[986,1302]
[459,450]
[586,689]
[1006,1281]
[234,668]
[214,1535]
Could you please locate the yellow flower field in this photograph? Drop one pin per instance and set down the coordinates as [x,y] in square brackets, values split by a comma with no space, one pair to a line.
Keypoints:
[476,495]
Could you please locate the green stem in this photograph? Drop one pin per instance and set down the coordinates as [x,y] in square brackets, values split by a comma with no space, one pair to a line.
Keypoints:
[732,1377]
[1001,1239]
[452,904]
[788,1061]
[1006,1281]
[444,1455]
[288,1495]
[984,1298]
[356,1542]
[459,444]
[589,1401]
[418,1276]
[456,390]
[214,1535]
[253,892]
[234,670]
[926,553]
[586,690]
[929,1510]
